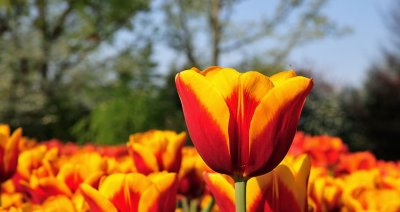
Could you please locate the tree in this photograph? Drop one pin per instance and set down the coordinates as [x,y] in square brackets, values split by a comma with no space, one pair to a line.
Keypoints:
[126,104]
[46,48]
[203,31]
[374,109]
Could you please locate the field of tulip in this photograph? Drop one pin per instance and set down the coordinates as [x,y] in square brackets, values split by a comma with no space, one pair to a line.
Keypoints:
[247,157]
[156,172]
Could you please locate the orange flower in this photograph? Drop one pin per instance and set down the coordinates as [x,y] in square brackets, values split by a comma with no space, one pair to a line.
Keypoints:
[324,150]
[325,193]
[8,151]
[241,124]
[355,161]
[283,189]
[157,150]
[133,192]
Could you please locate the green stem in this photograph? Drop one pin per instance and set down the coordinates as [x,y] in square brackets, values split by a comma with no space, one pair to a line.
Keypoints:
[185,205]
[193,205]
[240,194]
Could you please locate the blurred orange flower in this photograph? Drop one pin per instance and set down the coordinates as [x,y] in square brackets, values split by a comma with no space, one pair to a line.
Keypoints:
[241,124]
[9,151]
[191,182]
[157,150]
[133,192]
[324,150]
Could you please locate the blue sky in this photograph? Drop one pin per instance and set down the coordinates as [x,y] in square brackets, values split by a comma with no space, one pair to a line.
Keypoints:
[342,61]
[347,59]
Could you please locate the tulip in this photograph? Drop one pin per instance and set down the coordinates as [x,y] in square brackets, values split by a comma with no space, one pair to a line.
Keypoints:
[241,124]
[133,192]
[283,189]
[191,183]
[8,151]
[156,150]
[325,193]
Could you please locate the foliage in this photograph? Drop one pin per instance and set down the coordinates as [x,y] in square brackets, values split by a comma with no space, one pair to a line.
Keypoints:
[373,110]
[126,104]
[46,48]
[322,112]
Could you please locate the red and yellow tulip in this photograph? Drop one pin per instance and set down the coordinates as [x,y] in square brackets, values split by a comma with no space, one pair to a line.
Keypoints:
[283,189]
[242,124]
[133,192]
[9,150]
[191,183]
[157,150]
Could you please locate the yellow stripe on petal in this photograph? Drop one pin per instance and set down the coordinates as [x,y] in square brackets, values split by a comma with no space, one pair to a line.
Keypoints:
[224,80]
[302,168]
[280,77]
[96,201]
[255,85]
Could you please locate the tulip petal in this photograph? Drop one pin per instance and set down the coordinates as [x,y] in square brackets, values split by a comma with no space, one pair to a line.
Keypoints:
[224,80]
[222,191]
[207,119]
[53,203]
[302,170]
[280,77]
[5,130]
[144,159]
[96,201]
[275,191]
[251,88]
[124,190]
[10,159]
[172,156]
[161,195]
[274,124]
[69,173]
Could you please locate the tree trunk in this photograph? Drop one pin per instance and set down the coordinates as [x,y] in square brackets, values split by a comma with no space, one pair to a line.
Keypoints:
[215,30]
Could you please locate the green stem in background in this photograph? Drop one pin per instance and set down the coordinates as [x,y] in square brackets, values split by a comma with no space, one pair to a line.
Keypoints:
[185,204]
[240,194]
[209,205]
[193,205]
